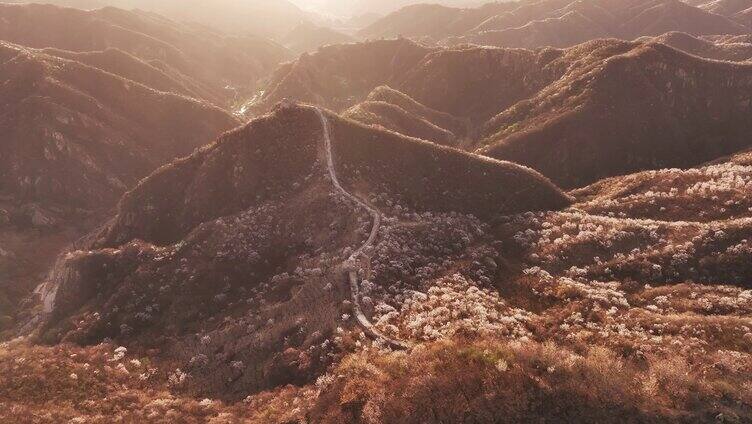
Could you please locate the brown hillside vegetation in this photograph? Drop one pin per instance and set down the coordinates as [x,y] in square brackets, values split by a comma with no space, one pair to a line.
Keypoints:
[394,118]
[398,112]
[733,51]
[611,310]
[538,107]
[433,21]
[76,134]
[582,21]
[440,119]
[502,77]
[337,77]
[711,193]
[726,8]
[554,23]
[637,315]
[744,17]
[679,111]
[271,19]
[364,158]
[531,211]
[730,39]
[120,63]
[562,31]
[241,225]
[341,76]
[75,138]
[211,61]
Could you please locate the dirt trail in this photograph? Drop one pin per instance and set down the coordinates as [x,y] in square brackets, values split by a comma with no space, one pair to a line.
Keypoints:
[48,290]
[351,263]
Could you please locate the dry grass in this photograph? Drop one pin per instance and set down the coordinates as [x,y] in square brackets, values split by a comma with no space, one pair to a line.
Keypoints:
[487,381]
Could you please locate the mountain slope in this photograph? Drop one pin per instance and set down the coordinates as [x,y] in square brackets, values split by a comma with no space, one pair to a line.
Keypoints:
[564,31]
[679,111]
[211,61]
[308,37]
[398,112]
[241,224]
[432,21]
[85,124]
[727,8]
[736,52]
[342,76]
[263,18]
[339,76]
[75,138]
[615,308]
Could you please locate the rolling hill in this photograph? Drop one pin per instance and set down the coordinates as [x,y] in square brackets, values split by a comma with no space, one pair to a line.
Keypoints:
[536,107]
[221,69]
[731,51]
[262,18]
[556,23]
[307,37]
[339,76]
[680,110]
[398,112]
[75,139]
[528,303]
[242,199]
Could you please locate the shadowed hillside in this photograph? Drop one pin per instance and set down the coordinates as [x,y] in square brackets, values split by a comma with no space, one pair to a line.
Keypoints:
[679,111]
[538,107]
[339,76]
[75,138]
[76,134]
[396,111]
[342,76]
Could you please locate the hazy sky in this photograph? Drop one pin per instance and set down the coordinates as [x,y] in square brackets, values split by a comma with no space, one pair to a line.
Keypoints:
[358,7]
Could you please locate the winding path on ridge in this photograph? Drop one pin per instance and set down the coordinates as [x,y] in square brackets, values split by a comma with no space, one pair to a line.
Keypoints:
[351,263]
[48,290]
